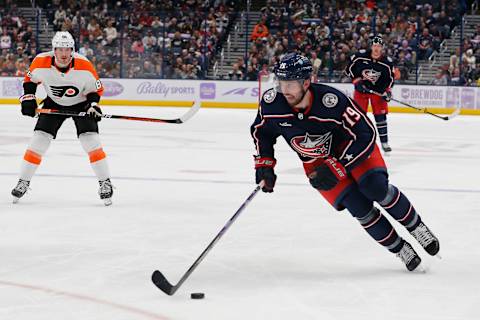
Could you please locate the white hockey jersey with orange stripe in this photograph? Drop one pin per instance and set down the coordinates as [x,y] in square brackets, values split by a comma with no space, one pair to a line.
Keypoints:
[67,88]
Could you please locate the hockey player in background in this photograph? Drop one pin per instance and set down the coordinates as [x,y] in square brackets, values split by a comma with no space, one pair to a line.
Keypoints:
[72,84]
[336,142]
[371,70]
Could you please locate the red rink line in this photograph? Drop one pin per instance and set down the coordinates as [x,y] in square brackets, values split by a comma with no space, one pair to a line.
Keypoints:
[132,310]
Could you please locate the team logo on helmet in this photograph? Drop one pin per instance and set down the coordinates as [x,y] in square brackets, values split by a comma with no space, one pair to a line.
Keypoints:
[67,91]
[377,40]
[269,95]
[371,75]
[314,146]
[330,100]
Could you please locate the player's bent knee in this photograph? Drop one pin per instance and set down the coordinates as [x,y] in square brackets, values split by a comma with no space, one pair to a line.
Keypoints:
[40,141]
[375,186]
[90,141]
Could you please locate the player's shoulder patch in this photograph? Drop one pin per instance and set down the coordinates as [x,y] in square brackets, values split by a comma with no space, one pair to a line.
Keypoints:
[330,100]
[389,60]
[269,95]
[362,51]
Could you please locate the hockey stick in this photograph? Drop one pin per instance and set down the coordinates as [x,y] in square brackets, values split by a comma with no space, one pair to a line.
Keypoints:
[182,119]
[424,110]
[162,283]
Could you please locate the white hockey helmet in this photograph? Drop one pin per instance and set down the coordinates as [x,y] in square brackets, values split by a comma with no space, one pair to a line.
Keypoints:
[63,39]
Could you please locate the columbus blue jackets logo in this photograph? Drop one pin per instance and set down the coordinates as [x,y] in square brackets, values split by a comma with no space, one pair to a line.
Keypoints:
[330,100]
[371,75]
[67,91]
[314,146]
[269,95]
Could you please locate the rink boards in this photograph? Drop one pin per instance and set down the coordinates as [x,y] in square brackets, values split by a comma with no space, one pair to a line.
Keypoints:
[245,94]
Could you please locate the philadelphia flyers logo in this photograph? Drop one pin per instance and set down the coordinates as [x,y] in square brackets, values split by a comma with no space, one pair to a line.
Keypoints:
[67,91]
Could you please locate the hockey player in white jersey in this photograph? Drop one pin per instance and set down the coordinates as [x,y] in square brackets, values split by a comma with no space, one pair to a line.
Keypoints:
[72,84]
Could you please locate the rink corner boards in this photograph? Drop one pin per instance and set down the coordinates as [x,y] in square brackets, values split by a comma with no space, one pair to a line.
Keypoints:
[235,105]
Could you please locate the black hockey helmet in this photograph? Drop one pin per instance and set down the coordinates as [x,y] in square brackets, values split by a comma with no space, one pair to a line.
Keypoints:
[293,66]
[377,39]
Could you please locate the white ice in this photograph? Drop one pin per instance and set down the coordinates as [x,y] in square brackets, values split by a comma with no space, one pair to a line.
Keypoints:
[63,255]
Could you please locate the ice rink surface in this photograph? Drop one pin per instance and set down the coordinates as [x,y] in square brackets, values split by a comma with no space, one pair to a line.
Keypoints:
[288,256]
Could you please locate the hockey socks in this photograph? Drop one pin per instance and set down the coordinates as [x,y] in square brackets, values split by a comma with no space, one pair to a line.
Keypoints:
[98,159]
[400,208]
[33,155]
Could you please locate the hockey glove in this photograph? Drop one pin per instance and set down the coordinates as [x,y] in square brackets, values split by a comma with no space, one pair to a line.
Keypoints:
[327,175]
[264,172]
[387,96]
[94,111]
[360,86]
[29,104]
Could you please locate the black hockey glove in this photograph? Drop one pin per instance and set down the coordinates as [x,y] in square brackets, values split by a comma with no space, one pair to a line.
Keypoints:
[94,111]
[29,104]
[264,172]
[387,96]
[327,175]
[360,86]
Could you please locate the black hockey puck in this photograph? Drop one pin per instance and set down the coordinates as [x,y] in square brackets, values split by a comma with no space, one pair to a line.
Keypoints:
[197,295]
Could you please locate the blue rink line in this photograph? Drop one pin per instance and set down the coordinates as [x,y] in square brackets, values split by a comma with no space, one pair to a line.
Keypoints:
[222,181]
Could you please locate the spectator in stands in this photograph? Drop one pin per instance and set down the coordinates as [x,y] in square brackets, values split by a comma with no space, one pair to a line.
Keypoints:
[444,23]
[235,73]
[425,46]
[149,41]
[457,79]
[21,68]
[252,73]
[316,63]
[441,79]
[469,60]
[454,61]
[403,65]
[60,16]
[86,50]
[110,33]
[148,70]
[137,47]
[5,40]
[259,31]
[476,38]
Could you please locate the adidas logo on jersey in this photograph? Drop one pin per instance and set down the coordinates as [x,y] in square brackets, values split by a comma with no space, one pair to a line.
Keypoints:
[285,124]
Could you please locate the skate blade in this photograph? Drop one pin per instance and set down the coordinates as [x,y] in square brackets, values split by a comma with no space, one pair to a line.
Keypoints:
[15,199]
[107,202]
[438,256]
[421,269]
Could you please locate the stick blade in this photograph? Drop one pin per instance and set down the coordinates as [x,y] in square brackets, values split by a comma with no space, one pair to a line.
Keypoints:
[162,283]
[453,114]
[190,113]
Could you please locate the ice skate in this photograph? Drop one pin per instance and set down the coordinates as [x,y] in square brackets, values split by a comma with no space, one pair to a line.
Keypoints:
[20,189]
[106,191]
[426,238]
[386,147]
[408,255]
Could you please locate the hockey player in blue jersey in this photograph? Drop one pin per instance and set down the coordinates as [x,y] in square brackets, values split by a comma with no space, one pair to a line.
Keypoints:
[335,140]
[370,70]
